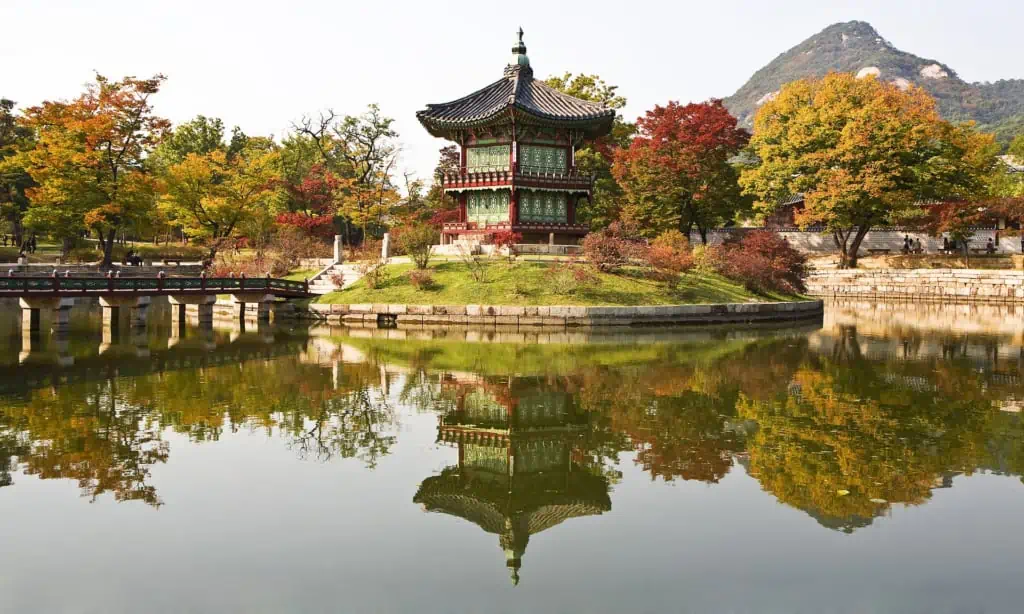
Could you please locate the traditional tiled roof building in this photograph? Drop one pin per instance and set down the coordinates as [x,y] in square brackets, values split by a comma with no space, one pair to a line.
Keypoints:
[517,169]
[518,473]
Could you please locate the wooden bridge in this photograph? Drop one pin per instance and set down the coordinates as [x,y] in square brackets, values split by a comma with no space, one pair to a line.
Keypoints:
[57,286]
[197,294]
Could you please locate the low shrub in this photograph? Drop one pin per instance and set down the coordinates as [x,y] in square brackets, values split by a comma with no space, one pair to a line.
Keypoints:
[571,277]
[507,239]
[673,240]
[613,247]
[669,256]
[667,263]
[228,264]
[763,261]
[421,279]
[707,259]
[416,241]
[475,262]
[374,273]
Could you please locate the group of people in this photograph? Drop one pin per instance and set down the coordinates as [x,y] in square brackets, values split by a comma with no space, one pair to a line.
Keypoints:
[911,246]
[132,259]
[28,246]
[914,246]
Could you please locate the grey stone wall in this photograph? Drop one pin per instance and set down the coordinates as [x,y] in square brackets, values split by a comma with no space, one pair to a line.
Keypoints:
[817,243]
[920,284]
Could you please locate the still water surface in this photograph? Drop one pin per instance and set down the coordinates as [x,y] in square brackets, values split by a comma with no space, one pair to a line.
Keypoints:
[869,464]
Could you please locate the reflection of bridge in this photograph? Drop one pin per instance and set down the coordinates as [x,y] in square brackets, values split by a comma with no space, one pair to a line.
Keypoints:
[39,370]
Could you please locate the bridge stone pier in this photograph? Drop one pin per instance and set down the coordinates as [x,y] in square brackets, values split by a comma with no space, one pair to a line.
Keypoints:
[184,305]
[31,306]
[138,306]
[263,303]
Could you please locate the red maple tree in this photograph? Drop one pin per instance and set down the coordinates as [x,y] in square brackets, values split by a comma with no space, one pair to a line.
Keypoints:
[677,172]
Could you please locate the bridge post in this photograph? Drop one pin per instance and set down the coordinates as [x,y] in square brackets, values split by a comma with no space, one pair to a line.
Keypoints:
[31,307]
[141,342]
[62,314]
[29,341]
[186,304]
[140,311]
[178,319]
[63,345]
[263,301]
[29,318]
[139,306]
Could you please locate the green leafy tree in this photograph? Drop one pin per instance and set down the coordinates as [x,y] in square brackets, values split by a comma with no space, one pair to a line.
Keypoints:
[361,148]
[200,135]
[213,196]
[14,178]
[596,158]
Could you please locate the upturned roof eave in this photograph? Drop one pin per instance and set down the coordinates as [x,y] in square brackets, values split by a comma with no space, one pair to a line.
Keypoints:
[597,124]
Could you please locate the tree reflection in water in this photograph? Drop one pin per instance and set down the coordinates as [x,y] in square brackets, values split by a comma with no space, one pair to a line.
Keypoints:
[838,424]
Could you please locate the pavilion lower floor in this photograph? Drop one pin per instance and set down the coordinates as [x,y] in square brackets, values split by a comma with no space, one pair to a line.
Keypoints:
[539,216]
[553,234]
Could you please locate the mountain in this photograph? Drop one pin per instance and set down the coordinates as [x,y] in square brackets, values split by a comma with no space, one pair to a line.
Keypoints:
[857,47]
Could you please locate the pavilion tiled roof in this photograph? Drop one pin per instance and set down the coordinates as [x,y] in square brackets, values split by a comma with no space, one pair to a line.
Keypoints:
[517,92]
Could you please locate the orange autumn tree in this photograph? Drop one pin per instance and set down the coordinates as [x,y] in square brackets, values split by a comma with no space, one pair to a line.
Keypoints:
[863,153]
[90,162]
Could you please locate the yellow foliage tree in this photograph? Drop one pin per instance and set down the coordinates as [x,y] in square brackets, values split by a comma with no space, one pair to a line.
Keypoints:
[212,195]
[863,153]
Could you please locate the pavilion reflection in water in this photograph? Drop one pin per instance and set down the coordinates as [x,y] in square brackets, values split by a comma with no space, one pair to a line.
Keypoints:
[520,469]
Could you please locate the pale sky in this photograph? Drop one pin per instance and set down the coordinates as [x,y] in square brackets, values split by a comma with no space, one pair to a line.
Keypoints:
[261,65]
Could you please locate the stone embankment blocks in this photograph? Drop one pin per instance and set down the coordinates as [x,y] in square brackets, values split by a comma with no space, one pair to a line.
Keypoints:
[507,316]
[1004,286]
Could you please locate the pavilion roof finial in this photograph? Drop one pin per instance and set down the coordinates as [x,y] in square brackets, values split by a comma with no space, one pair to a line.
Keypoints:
[519,57]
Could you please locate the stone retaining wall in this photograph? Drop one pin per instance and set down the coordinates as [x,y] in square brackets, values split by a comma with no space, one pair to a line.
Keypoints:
[563,316]
[920,284]
[819,243]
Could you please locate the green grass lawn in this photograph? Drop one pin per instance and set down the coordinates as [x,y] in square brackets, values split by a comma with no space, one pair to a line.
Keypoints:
[509,358]
[527,283]
[301,274]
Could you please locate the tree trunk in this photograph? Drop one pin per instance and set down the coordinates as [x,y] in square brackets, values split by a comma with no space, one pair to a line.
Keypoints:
[686,228]
[703,234]
[849,249]
[108,248]
[19,231]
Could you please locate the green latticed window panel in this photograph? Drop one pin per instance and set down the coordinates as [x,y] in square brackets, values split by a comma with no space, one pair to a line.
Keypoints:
[486,457]
[483,409]
[537,158]
[540,456]
[487,206]
[490,158]
[546,207]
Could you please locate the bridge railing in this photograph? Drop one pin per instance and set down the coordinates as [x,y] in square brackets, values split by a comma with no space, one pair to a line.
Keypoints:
[157,285]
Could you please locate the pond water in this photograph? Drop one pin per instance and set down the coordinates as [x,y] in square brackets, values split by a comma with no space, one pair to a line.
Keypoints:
[868,463]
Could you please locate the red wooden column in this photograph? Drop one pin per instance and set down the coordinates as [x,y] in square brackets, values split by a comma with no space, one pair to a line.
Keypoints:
[570,211]
[462,207]
[513,165]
